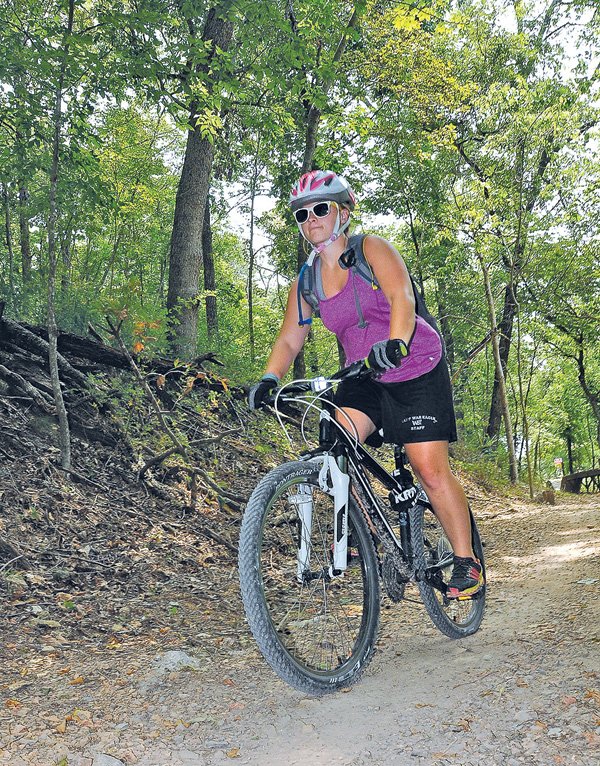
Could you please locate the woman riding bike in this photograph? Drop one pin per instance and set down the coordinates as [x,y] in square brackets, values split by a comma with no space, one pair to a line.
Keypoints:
[361,289]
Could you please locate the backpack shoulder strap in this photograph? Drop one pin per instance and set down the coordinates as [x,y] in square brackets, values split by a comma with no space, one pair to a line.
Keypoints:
[356,259]
[306,290]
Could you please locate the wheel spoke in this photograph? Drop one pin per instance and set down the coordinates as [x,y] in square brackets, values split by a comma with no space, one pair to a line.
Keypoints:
[323,627]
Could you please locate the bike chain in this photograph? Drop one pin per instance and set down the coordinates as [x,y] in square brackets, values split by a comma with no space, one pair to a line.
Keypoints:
[395,572]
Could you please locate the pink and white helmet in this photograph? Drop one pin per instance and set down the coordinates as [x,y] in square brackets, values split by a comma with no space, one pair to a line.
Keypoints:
[321,185]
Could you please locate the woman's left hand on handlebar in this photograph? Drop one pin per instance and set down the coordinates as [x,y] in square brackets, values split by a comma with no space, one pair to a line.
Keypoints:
[386,355]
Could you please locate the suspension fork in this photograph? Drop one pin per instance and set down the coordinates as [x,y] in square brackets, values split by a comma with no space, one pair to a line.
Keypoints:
[334,479]
[303,502]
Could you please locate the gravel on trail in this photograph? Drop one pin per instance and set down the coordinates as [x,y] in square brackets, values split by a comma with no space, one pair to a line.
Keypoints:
[524,690]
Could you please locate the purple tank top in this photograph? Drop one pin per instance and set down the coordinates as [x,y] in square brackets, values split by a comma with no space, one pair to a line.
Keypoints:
[341,315]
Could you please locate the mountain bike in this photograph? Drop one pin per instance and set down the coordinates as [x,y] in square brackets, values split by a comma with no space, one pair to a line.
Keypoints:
[318,536]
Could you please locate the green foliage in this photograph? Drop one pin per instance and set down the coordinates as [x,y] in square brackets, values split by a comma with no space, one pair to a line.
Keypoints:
[469,125]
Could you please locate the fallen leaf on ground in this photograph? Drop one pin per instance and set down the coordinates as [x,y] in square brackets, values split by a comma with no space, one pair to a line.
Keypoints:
[233,753]
[592,694]
[77,680]
[463,725]
[12,704]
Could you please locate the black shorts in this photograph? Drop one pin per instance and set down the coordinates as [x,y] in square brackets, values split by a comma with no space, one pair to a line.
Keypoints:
[417,410]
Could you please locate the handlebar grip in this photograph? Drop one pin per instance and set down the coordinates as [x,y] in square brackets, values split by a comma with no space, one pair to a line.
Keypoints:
[354,371]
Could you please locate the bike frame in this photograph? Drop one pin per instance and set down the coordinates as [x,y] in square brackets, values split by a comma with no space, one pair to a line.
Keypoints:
[341,452]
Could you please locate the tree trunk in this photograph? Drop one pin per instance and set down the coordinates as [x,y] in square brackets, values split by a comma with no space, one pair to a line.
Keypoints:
[569,439]
[210,285]
[251,270]
[510,445]
[186,243]
[505,330]
[66,249]
[445,327]
[593,397]
[63,422]
[185,260]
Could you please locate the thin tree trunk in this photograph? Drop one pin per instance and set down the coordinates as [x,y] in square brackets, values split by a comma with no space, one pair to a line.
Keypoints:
[593,397]
[66,245]
[313,118]
[63,422]
[569,439]
[445,326]
[9,244]
[24,234]
[510,445]
[251,255]
[210,285]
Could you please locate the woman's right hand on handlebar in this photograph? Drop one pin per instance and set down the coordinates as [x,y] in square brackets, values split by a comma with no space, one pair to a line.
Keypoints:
[260,391]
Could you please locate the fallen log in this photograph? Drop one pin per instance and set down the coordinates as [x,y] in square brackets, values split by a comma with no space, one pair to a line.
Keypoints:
[24,338]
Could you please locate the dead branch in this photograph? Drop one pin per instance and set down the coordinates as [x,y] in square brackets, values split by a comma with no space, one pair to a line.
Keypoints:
[472,355]
[213,485]
[9,549]
[82,478]
[156,459]
[214,439]
[32,342]
[18,382]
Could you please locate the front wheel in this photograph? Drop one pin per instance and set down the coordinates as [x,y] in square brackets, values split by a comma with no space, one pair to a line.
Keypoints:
[316,630]
[434,560]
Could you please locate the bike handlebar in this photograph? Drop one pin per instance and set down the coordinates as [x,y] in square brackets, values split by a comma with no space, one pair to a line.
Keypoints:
[355,371]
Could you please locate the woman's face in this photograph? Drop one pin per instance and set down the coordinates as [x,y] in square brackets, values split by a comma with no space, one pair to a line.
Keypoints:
[318,230]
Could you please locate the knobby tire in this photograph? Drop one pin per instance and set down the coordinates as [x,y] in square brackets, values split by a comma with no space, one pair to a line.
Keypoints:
[455,619]
[318,635]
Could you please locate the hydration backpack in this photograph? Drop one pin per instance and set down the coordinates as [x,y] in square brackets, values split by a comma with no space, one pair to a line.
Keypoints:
[353,258]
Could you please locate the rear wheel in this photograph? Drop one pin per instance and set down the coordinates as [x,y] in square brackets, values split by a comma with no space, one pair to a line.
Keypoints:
[434,557]
[317,631]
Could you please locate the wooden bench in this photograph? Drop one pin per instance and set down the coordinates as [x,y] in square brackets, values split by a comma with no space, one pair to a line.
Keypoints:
[588,481]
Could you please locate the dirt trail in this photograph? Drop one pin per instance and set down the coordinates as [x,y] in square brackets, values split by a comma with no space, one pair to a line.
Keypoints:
[524,690]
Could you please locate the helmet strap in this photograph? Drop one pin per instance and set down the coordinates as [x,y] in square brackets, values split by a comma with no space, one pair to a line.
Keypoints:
[336,233]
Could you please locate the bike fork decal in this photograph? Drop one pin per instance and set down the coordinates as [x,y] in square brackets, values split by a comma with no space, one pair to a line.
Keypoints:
[335,482]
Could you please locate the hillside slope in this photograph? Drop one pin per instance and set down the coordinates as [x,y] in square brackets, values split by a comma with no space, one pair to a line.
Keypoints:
[104,574]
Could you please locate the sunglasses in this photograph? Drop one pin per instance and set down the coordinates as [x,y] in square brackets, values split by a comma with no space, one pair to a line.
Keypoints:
[319,209]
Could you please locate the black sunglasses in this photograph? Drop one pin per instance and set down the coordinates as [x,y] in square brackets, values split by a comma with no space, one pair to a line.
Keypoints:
[320,210]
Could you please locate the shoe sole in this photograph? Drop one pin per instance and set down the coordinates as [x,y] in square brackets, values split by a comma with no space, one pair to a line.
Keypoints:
[468,593]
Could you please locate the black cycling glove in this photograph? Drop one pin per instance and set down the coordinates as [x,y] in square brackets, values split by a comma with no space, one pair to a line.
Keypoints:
[386,355]
[260,390]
